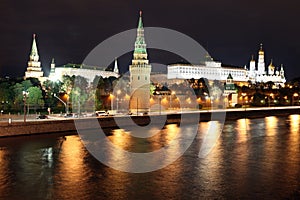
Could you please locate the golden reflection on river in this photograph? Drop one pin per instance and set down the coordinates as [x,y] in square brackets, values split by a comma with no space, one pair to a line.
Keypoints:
[252,159]
[210,166]
[72,167]
[271,125]
[171,133]
[242,128]
[159,139]
[4,173]
[293,149]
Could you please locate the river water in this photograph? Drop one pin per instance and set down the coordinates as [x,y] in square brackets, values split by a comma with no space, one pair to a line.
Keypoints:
[252,158]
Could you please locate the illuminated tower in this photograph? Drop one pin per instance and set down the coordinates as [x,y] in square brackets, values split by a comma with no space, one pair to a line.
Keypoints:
[52,70]
[282,72]
[261,62]
[34,69]
[271,68]
[116,69]
[140,70]
[252,68]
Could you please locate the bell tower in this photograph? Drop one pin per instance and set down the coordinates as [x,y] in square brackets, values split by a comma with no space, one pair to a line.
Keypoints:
[261,69]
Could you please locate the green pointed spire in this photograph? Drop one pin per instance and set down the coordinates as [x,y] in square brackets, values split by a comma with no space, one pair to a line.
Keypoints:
[34,55]
[140,21]
[140,45]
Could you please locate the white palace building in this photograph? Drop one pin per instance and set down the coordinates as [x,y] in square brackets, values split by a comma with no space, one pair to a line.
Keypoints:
[213,70]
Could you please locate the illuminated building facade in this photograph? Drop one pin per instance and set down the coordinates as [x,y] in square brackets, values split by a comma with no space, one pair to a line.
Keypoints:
[210,69]
[213,70]
[88,72]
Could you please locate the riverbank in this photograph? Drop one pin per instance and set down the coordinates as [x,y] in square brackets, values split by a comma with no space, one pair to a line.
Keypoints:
[17,128]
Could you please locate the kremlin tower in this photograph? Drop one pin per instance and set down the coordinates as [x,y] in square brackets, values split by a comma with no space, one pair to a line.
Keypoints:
[34,69]
[140,70]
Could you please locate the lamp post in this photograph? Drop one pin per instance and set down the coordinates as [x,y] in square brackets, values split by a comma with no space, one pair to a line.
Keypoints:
[111,96]
[159,101]
[172,94]
[244,94]
[207,98]
[294,96]
[118,92]
[270,96]
[64,103]
[25,95]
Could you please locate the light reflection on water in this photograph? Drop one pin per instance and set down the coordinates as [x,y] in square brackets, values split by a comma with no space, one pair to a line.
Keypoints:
[252,158]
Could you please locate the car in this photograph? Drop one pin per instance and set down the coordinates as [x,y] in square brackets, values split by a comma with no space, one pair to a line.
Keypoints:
[42,117]
[68,115]
[102,113]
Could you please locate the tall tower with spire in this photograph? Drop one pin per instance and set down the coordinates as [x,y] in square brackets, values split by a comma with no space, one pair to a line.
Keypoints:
[34,69]
[252,71]
[261,69]
[116,68]
[140,70]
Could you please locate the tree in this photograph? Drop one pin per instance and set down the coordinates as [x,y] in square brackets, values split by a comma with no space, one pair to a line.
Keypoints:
[35,97]
[6,96]
[18,89]
[68,84]
[81,83]
[79,98]
[51,88]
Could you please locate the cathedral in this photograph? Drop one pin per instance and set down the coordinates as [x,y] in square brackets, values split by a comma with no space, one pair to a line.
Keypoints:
[259,73]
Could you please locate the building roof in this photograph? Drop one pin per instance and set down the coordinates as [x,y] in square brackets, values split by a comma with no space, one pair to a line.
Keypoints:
[82,66]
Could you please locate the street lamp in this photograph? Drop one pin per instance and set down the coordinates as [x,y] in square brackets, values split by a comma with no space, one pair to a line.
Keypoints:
[294,96]
[212,102]
[244,94]
[159,101]
[271,96]
[25,95]
[172,94]
[64,103]
[111,96]
[118,93]
[207,98]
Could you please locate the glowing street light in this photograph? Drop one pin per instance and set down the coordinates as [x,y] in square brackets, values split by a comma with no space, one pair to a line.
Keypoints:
[64,103]
[25,95]
[295,95]
[243,95]
[111,96]
[118,93]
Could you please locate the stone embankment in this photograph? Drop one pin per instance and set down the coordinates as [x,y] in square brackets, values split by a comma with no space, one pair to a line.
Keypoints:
[16,128]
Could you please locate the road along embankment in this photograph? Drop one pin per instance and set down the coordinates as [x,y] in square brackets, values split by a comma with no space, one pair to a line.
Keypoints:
[17,128]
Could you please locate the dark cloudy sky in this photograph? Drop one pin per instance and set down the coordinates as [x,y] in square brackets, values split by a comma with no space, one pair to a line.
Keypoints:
[230,30]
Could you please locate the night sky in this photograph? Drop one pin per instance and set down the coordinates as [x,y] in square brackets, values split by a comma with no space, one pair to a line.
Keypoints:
[230,30]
